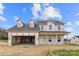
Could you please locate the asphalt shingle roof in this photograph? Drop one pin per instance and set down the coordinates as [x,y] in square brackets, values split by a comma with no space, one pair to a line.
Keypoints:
[77,36]
[24,28]
[44,21]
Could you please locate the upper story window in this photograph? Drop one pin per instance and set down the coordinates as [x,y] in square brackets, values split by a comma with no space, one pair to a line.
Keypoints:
[50,27]
[31,23]
[19,24]
[59,27]
[41,27]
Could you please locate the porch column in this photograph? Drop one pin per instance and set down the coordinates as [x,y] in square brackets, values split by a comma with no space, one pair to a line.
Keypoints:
[36,39]
[13,40]
[56,39]
[67,38]
[46,38]
[9,39]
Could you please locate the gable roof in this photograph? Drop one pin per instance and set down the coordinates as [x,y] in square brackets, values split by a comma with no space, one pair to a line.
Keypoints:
[27,27]
[77,36]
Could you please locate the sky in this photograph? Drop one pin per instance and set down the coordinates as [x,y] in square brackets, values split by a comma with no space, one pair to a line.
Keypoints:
[65,12]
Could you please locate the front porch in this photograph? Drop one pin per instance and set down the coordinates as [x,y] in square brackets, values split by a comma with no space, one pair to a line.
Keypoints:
[52,37]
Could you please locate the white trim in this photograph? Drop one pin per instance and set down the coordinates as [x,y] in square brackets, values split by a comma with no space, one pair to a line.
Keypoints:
[9,39]
[36,39]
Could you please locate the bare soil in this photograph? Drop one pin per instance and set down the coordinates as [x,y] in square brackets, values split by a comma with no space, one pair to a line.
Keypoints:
[31,50]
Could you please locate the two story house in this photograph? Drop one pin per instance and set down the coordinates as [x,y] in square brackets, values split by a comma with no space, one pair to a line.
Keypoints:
[36,33]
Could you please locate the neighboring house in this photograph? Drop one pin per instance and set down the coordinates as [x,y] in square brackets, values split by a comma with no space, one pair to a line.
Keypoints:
[36,33]
[75,40]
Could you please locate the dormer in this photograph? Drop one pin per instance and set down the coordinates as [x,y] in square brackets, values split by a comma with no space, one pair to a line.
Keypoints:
[31,23]
[19,23]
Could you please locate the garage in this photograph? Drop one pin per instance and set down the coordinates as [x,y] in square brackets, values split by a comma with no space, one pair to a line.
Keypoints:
[17,40]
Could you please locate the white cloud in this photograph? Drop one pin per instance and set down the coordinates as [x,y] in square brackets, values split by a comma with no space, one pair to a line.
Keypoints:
[2,18]
[77,23]
[35,10]
[45,12]
[69,28]
[51,12]
[24,9]
[69,23]
[15,17]
[1,8]
[77,14]
[1,12]
[37,7]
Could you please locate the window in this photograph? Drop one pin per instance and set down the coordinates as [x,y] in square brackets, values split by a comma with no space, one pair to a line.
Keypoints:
[42,28]
[59,27]
[41,37]
[31,24]
[59,39]
[19,24]
[50,27]
[74,37]
[50,40]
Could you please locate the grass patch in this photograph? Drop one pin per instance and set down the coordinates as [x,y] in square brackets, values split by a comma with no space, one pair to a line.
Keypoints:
[63,53]
[75,44]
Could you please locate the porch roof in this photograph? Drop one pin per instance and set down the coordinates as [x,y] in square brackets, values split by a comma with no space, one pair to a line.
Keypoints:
[53,32]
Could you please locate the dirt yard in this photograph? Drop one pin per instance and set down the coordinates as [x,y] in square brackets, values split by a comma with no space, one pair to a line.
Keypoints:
[29,50]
